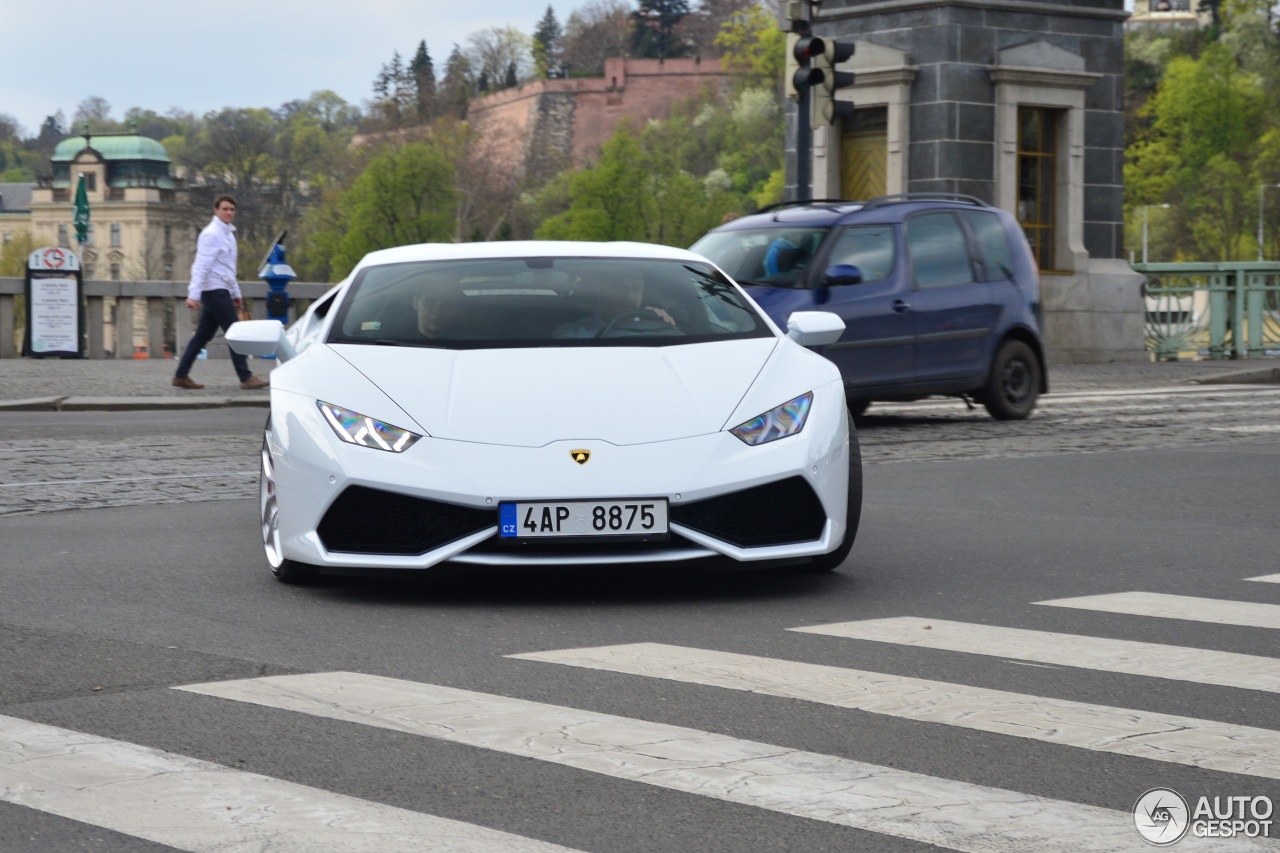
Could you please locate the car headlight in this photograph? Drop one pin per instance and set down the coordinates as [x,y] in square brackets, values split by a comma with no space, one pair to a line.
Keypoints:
[787,419]
[355,428]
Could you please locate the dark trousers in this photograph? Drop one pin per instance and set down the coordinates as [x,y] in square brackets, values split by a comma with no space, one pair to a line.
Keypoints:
[218,312]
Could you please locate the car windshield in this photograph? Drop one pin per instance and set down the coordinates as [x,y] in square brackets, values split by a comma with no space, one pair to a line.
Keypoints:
[776,255]
[543,301]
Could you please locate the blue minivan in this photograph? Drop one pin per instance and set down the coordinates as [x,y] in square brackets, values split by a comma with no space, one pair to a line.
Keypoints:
[939,294]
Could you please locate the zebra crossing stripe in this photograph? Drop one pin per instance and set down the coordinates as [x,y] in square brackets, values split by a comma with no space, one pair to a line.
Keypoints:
[1201,666]
[1245,613]
[1160,737]
[189,804]
[950,814]
[1266,578]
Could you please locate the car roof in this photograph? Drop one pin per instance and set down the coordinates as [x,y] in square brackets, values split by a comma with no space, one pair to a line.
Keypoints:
[524,249]
[819,213]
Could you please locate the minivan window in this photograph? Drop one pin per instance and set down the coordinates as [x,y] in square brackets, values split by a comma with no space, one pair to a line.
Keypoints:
[993,242]
[938,251]
[870,248]
[776,255]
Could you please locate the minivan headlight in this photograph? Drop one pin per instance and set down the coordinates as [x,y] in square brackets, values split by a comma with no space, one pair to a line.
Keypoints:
[355,428]
[780,422]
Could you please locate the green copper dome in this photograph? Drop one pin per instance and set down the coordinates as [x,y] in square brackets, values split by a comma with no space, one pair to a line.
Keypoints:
[112,146]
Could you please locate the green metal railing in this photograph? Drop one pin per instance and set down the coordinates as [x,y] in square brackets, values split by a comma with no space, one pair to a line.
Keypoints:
[1215,311]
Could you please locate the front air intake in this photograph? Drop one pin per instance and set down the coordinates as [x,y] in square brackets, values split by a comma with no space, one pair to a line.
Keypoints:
[773,514]
[371,521]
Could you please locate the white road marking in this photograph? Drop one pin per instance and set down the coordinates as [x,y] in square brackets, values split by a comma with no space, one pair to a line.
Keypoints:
[1162,605]
[1266,578]
[953,815]
[1121,731]
[1249,428]
[196,805]
[1118,395]
[1202,666]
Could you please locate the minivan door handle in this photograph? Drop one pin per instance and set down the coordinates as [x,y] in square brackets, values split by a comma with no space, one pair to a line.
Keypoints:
[901,306]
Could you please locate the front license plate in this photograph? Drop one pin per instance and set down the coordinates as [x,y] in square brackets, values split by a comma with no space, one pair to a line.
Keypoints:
[583,518]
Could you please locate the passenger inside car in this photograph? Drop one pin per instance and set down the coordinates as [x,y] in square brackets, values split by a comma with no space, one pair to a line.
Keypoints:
[612,301]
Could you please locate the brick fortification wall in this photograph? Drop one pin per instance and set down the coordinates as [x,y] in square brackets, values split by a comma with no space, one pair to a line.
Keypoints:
[545,125]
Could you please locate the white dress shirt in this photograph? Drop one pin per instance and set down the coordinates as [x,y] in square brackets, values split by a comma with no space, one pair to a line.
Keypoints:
[215,264]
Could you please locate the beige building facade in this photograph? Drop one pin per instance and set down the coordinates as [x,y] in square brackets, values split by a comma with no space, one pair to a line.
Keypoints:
[140,219]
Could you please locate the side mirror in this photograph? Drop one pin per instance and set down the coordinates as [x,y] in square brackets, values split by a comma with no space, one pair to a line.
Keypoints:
[814,328]
[842,274]
[260,338]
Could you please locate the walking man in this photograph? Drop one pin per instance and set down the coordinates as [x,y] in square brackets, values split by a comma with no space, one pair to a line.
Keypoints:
[215,291]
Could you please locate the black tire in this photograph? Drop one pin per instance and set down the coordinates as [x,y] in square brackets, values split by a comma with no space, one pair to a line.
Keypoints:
[853,513]
[858,408]
[285,570]
[1014,384]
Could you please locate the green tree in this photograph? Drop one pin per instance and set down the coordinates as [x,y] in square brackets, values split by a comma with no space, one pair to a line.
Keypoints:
[500,53]
[640,190]
[458,85]
[597,31]
[1198,150]
[654,25]
[14,253]
[546,45]
[405,195]
[424,77]
[699,28]
[95,113]
[753,48]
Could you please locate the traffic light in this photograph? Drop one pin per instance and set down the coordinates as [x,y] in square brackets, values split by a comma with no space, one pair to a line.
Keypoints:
[825,109]
[802,51]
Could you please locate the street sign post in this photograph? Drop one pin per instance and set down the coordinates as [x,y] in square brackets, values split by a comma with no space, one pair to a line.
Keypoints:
[54,290]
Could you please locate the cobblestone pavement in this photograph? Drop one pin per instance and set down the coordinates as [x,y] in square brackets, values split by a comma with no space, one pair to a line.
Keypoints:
[1077,422]
[47,475]
[1094,408]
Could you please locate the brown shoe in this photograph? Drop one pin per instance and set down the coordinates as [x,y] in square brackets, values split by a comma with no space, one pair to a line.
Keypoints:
[253,383]
[186,382]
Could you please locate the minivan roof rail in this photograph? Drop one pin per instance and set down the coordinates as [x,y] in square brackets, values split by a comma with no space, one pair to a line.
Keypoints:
[901,198]
[806,201]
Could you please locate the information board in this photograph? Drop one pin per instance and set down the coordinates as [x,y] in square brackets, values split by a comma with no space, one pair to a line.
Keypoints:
[55,305]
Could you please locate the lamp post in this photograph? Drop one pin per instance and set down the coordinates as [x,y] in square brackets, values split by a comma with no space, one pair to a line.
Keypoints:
[1262,188]
[1145,229]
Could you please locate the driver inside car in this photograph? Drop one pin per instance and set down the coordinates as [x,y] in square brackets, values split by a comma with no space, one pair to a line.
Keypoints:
[615,301]
[440,310]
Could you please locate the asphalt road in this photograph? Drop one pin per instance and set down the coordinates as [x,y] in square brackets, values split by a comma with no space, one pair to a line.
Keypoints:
[136,570]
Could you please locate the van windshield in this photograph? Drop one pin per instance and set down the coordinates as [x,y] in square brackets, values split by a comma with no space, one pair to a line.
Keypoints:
[775,256]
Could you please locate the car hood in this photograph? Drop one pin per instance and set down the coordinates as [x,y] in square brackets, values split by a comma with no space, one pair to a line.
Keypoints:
[532,397]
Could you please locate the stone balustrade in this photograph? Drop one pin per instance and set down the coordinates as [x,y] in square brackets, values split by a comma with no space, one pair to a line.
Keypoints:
[156,321]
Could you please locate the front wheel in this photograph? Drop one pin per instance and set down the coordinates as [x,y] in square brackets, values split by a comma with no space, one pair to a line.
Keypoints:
[1014,384]
[853,513]
[285,570]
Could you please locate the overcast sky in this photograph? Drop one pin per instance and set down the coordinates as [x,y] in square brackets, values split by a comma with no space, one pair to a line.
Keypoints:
[158,54]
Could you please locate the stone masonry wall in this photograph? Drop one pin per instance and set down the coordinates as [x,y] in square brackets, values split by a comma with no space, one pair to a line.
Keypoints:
[550,122]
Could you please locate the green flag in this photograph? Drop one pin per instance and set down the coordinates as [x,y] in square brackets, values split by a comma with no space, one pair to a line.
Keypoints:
[81,218]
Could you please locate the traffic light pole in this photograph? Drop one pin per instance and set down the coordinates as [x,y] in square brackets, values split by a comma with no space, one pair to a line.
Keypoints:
[811,80]
[804,147]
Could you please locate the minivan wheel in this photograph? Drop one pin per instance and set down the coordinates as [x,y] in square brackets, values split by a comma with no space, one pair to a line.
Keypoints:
[1014,384]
